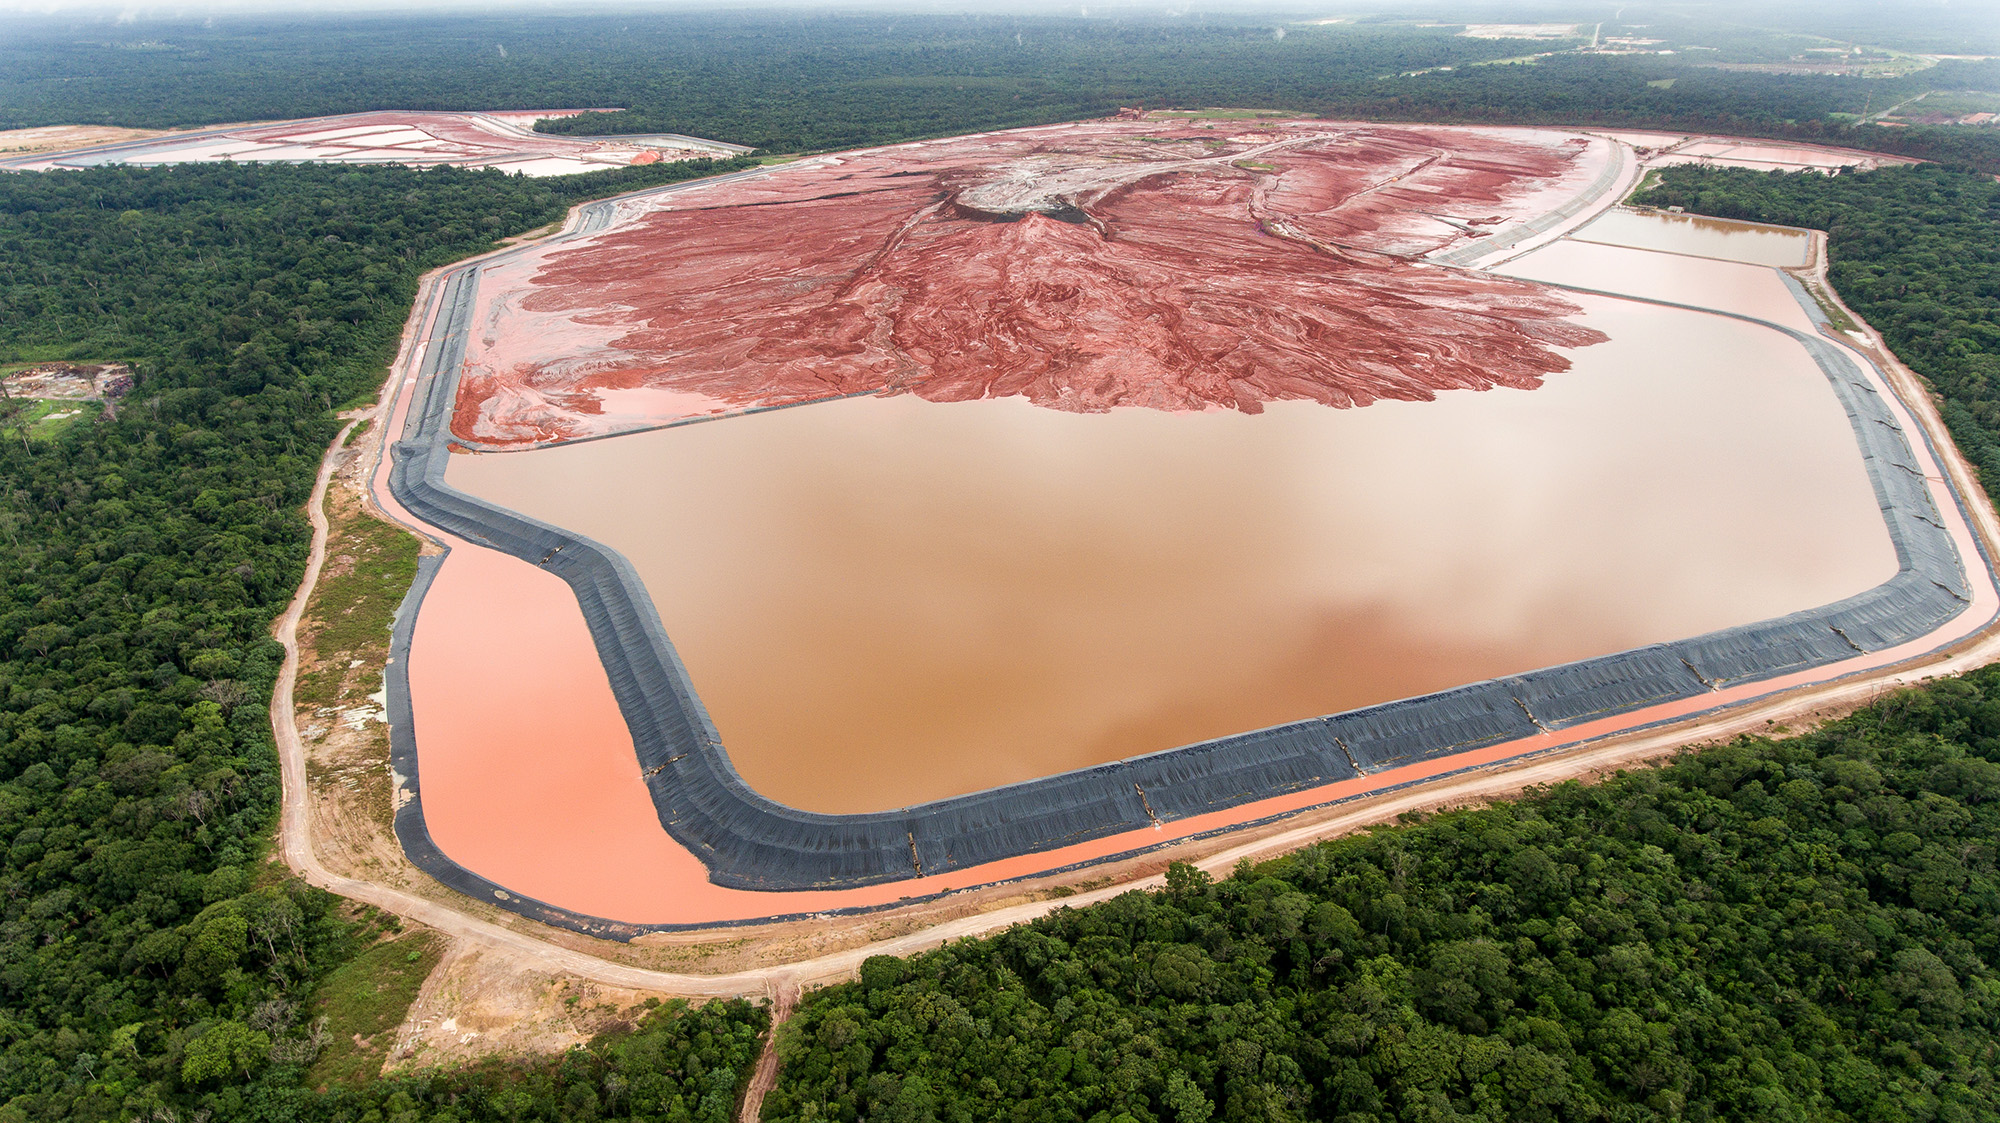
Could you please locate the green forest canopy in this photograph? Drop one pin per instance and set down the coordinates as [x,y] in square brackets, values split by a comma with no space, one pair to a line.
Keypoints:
[788,81]
[146,956]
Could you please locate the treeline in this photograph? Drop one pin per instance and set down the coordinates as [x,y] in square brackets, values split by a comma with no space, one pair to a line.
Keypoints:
[148,957]
[1633,93]
[1348,83]
[852,81]
[796,81]
[1791,930]
[1914,250]
[779,80]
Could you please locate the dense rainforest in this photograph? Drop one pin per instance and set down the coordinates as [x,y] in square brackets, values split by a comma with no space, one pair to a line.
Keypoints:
[1914,250]
[798,81]
[1793,930]
[147,957]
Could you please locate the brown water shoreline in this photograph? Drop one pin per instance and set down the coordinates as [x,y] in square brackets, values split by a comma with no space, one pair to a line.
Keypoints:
[885,601]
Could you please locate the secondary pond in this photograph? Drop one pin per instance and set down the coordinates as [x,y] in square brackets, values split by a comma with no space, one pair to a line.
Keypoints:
[1701,282]
[884,601]
[1750,242]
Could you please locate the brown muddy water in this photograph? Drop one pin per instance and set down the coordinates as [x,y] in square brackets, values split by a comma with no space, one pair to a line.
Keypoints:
[1749,242]
[884,601]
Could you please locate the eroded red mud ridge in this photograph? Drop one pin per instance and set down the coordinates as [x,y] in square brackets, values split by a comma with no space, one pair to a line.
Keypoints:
[1176,266]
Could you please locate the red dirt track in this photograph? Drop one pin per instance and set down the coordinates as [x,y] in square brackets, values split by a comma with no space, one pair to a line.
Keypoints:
[1169,265]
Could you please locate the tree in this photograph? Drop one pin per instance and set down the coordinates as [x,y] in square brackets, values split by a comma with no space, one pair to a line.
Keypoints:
[228,1047]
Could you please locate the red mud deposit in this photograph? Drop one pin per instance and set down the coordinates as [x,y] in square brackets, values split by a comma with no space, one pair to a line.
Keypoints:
[1169,265]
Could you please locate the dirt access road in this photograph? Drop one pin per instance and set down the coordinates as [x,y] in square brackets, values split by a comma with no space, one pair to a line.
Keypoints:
[783,979]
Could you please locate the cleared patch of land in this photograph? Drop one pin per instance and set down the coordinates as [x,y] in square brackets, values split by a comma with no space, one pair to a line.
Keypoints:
[63,138]
[481,1001]
[36,421]
[1522,31]
[365,1000]
[1216,114]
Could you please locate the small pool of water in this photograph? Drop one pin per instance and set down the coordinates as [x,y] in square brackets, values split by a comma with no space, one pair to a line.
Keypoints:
[1697,235]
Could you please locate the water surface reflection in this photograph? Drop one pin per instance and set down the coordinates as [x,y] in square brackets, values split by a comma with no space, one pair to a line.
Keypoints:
[884,601]
[1753,243]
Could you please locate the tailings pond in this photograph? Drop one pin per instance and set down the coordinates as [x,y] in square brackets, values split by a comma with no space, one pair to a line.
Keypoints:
[884,601]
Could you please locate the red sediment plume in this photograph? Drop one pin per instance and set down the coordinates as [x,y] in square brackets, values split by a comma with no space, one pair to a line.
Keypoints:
[1166,265]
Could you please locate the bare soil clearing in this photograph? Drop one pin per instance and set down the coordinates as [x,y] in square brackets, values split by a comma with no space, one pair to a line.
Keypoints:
[480,1002]
[68,382]
[50,139]
[63,138]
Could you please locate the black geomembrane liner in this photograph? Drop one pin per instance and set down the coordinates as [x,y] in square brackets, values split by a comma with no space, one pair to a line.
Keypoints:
[750,842]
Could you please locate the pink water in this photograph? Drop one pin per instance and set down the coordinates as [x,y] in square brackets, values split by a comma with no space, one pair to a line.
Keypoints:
[884,601]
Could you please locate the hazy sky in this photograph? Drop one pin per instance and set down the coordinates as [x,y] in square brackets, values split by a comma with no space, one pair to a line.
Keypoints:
[183,10]
[142,11]
[139,10]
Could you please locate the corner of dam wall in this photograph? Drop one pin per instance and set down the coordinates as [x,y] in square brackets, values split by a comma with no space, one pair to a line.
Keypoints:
[750,842]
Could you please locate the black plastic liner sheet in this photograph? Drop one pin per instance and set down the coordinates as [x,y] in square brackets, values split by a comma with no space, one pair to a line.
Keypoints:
[750,842]
[1576,692]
